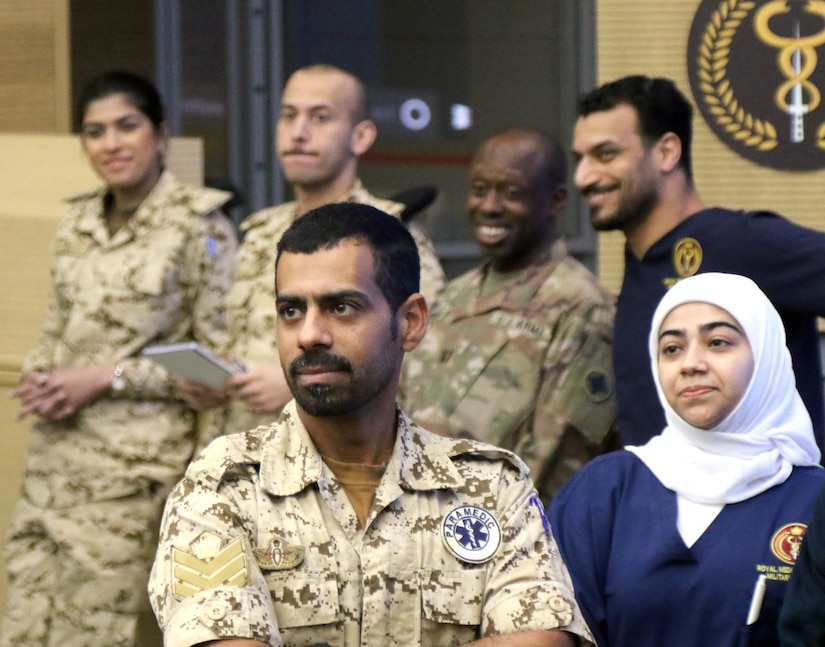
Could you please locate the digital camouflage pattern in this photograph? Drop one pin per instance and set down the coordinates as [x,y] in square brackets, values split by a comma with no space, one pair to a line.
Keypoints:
[82,537]
[251,313]
[261,511]
[527,368]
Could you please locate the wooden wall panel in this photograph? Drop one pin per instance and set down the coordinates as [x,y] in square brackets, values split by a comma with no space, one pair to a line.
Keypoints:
[34,65]
[650,37]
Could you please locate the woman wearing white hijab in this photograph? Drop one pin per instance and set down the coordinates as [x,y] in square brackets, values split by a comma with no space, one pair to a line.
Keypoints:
[666,542]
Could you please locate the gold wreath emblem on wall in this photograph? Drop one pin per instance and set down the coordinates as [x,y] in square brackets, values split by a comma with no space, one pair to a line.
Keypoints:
[717,93]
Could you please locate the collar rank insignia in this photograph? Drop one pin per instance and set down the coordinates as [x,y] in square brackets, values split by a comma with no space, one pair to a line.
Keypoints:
[471,533]
[278,557]
[208,565]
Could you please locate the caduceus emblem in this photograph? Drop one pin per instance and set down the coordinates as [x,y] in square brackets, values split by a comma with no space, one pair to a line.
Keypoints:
[797,59]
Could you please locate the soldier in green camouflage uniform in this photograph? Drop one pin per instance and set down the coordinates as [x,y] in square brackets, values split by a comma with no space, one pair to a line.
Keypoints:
[518,353]
[322,131]
[344,523]
[105,452]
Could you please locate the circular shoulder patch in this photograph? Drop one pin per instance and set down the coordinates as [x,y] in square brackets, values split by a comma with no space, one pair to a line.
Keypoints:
[471,533]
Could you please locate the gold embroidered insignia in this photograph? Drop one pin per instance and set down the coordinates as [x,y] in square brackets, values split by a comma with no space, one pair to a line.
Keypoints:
[278,557]
[687,257]
[776,122]
[786,542]
[208,566]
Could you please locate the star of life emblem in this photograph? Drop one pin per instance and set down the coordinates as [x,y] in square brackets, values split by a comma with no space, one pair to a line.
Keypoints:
[471,533]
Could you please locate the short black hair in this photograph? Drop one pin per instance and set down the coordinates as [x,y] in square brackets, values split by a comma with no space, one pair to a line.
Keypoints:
[395,255]
[660,106]
[141,93]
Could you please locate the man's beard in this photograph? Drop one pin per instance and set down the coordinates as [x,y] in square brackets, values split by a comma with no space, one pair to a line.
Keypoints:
[325,400]
[630,210]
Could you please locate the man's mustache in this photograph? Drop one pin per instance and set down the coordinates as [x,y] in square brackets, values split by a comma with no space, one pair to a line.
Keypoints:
[319,359]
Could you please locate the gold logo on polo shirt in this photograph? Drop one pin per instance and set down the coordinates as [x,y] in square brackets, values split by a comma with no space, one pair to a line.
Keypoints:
[687,257]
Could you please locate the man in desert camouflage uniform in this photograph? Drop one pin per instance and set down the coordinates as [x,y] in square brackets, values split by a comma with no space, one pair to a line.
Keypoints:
[344,523]
[519,349]
[323,129]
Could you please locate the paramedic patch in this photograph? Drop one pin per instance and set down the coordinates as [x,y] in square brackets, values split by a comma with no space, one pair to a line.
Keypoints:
[471,533]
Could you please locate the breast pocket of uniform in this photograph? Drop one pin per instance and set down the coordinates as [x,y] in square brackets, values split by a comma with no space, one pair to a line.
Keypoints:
[451,605]
[307,608]
[148,297]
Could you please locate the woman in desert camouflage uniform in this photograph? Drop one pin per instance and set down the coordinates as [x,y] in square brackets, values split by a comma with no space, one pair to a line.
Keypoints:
[143,260]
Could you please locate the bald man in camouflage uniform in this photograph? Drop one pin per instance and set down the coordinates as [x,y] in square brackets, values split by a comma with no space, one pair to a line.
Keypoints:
[519,349]
[323,129]
[344,523]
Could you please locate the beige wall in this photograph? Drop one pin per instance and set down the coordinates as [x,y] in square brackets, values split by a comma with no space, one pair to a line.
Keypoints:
[34,84]
[34,66]
[650,37]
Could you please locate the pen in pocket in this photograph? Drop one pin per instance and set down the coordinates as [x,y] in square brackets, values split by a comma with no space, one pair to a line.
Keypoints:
[756,600]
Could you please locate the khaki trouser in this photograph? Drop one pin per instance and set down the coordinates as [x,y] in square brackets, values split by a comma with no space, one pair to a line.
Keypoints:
[77,576]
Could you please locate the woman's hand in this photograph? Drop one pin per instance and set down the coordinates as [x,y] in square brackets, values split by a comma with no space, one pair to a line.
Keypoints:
[263,390]
[56,396]
[200,397]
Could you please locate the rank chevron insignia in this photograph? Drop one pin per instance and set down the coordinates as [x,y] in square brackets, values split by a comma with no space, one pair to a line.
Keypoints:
[192,574]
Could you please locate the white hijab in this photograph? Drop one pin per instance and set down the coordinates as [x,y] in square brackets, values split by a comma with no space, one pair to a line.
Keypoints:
[767,433]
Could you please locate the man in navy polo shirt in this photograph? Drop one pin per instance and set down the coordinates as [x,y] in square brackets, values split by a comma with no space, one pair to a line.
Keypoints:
[632,143]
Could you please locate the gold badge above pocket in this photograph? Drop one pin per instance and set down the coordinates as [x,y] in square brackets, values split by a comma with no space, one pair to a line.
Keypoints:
[279,556]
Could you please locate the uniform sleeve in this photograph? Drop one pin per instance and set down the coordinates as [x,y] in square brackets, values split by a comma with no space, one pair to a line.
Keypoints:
[41,356]
[528,586]
[802,620]
[212,264]
[432,274]
[576,403]
[205,584]
[582,521]
[779,254]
